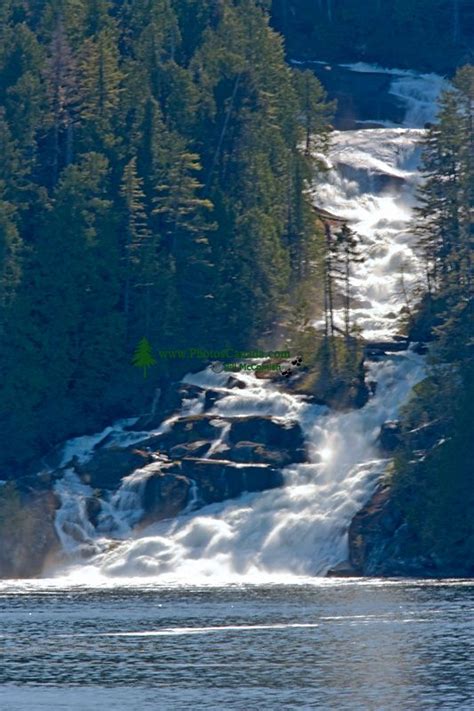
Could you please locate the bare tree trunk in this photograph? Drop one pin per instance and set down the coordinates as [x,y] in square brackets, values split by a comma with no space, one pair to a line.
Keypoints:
[347,305]
[329,292]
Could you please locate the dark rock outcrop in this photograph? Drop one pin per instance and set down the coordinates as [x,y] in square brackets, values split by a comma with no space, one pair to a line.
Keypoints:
[262,439]
[269,433]
[167,400]
[219,479]
[190,449]
[27,534]
[169,492]
[426,436]
[166,494]
[233,382]
[254,452]
[108,466]
[390,436]
[342,570]
[381,542]
[192,428]
[377,349]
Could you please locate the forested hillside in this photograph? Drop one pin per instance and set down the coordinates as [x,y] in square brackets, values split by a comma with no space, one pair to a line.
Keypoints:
[434,35]
[151,187]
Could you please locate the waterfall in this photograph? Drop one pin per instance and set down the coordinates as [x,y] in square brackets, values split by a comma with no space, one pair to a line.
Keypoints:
[301,528]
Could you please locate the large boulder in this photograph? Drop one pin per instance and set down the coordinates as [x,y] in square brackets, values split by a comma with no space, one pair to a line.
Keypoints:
[218,479]
[169,491]
[268,432]
[390,436]
[107,467]
[192,428]
[166,494]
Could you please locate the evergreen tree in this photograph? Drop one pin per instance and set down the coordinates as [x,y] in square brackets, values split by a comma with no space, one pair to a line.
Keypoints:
[135,228]
[62,93]
[346,251]
[316,112]
[100,87]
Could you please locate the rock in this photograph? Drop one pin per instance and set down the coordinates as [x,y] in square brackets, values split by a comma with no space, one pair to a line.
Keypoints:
[218,480]
[267,432]
[108,466]
[235,383]
[381,543]
[168,401]
[190,449]
[166,494]
[185,430]
[360,97]
[93,509]
[420,348]
[315,400]
[190,435]
[426,436]
[28,537]
[342,570]
[194,428]
[211,398]
[36,483]
[390,436]
[380,348]
[253,452]
[372,385]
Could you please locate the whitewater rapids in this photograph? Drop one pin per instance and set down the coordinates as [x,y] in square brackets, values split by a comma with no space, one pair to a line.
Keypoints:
[299,530]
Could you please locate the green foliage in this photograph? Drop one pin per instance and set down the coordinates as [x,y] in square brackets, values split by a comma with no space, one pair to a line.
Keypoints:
[433,478]
[151,183]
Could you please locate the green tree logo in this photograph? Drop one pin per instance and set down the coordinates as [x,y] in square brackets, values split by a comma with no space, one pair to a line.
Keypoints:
[143,356]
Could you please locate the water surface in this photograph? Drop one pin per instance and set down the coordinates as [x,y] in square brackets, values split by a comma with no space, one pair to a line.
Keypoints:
[322,645]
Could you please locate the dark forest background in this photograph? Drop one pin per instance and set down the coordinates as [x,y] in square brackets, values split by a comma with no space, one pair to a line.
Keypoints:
[429,35]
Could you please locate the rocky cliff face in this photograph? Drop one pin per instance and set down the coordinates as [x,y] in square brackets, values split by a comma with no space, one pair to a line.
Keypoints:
[27,534]
[409,527]
[382,543]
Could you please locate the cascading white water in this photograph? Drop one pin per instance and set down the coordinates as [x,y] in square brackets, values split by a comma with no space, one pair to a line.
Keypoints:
[301,528]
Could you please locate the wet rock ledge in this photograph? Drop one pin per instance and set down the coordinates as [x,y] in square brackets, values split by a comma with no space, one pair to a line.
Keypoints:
[202,459]
[198,460]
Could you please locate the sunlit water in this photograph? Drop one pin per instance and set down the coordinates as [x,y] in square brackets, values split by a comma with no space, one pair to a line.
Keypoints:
[328,645]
